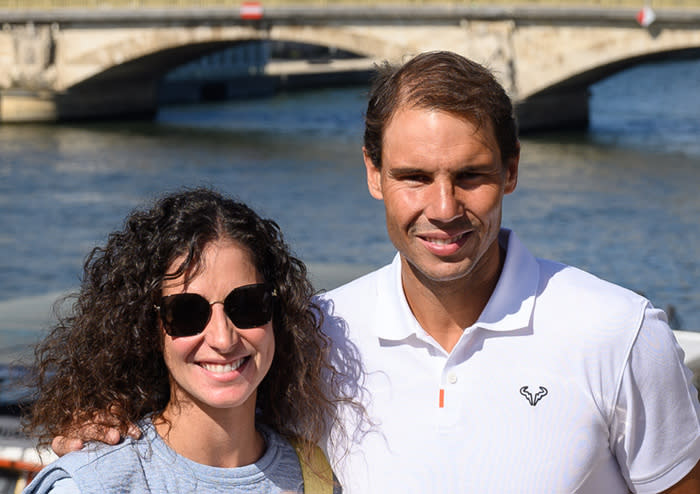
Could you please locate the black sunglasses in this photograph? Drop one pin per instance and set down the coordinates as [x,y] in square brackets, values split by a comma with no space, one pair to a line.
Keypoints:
[187,314]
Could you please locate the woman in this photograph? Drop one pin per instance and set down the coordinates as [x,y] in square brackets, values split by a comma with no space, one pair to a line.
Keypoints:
[196,323]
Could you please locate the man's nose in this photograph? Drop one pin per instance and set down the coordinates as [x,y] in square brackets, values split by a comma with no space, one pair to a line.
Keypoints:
[443,203]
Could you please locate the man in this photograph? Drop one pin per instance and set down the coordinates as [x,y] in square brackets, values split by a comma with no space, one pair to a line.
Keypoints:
[485,369]
[488,370]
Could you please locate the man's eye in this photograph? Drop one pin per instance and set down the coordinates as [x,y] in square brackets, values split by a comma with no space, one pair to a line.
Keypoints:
[416,178]
[468,176]
[472,178]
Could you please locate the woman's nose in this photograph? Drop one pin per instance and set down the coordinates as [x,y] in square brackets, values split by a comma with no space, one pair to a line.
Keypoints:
[220,333]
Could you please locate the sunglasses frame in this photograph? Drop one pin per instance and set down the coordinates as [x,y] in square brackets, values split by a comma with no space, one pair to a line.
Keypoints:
[161,309]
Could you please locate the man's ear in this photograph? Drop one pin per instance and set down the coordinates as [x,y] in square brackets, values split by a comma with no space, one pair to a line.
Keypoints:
[512,164]
[374,176]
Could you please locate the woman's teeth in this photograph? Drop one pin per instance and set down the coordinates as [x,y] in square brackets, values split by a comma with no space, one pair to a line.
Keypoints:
[222,368]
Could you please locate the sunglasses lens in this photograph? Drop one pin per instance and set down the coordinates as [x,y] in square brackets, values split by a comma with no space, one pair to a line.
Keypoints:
[185,314]
[249,306]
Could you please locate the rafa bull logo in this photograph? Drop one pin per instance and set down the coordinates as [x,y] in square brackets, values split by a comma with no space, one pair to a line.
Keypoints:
[533,400]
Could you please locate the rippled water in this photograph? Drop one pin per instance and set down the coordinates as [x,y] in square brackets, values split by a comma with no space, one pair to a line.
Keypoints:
[620,200]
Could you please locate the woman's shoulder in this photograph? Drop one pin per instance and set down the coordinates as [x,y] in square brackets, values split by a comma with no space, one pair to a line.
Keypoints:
[92,468]
[63,486]
[52,480]
[312,475]
[59,477]
[280,457]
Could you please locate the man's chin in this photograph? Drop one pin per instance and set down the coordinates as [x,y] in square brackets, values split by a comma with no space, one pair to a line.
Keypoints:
[441,272]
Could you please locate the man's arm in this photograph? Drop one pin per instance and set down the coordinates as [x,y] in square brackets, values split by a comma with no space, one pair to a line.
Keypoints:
[690,483]
[659,428]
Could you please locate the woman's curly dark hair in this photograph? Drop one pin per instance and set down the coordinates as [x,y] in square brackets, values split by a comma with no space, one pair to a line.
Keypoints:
[105,359]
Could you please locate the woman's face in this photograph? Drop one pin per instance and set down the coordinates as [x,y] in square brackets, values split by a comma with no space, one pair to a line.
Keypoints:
[222,366]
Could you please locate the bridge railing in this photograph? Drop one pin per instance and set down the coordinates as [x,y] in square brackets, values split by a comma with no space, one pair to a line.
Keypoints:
[135,4]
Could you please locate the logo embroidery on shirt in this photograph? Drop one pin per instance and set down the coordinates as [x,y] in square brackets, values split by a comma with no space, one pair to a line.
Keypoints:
[533,400]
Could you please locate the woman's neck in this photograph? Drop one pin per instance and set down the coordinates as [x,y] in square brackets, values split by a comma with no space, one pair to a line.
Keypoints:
[215,437]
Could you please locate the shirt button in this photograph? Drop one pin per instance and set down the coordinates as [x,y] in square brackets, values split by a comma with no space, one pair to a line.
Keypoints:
[452,378]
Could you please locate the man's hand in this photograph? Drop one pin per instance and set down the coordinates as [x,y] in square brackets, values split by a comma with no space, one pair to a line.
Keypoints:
[103,429]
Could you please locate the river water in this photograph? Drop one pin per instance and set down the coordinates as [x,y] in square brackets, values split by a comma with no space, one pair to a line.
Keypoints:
[620,200]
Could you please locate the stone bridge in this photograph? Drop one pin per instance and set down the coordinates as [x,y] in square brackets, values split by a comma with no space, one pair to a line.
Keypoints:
[74,64]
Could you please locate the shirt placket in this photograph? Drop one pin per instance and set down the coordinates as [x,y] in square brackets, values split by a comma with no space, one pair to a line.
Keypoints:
[451,393]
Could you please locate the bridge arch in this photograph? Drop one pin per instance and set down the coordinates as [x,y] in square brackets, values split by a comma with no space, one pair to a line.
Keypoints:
[584,80]
[154,65]
[142,54]
[553,106]
[546,59]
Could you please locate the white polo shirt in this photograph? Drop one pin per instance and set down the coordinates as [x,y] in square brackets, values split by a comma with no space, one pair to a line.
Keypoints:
[566,383]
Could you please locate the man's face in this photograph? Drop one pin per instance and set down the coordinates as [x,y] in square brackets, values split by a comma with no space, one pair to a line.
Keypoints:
[442,182]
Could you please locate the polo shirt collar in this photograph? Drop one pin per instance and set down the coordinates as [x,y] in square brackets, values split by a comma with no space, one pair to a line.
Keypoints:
[509,308]
[395,320]
[513,300]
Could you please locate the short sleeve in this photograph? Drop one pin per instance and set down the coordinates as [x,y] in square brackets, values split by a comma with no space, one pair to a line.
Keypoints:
[655,432]
[52,480]
[64,486]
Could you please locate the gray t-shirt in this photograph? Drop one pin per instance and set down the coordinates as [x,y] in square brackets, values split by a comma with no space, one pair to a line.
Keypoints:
[148,465]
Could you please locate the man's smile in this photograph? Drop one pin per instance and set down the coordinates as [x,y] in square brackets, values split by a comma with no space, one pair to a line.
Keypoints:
[442,244]
[441,240]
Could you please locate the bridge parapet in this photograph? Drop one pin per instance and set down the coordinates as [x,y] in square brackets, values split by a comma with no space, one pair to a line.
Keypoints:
[147,4]
[81,60]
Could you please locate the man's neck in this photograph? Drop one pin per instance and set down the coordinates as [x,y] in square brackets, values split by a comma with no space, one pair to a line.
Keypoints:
[445,308]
